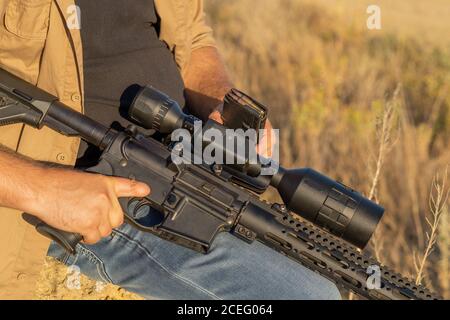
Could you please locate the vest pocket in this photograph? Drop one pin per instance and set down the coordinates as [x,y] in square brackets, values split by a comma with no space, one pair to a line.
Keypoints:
[28,19]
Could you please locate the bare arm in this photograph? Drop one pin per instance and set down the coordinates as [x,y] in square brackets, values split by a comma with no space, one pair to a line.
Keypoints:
[206,81]
[15,172]
[65,199]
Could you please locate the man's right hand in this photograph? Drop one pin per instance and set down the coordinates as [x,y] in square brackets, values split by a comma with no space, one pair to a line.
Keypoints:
[81,202]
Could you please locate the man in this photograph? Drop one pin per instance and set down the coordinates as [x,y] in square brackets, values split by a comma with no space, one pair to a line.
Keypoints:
[90,53]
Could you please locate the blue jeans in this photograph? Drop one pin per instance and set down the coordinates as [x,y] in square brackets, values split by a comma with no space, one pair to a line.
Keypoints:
[157,269]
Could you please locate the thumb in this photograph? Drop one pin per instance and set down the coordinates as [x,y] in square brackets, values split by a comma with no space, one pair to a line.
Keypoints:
[130,188]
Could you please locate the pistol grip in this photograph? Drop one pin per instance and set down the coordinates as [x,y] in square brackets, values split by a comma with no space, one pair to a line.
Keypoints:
[67,240]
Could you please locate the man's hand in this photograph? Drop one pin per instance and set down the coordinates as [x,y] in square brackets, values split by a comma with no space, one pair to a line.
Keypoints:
[66,199]
[84,203]
[266,143]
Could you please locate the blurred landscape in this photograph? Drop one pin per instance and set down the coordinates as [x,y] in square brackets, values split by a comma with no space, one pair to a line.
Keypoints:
[370,108]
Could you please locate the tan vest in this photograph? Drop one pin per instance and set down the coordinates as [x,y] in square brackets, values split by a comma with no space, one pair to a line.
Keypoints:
[37,44]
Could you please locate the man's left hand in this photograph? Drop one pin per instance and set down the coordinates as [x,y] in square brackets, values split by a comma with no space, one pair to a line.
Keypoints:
[267,141]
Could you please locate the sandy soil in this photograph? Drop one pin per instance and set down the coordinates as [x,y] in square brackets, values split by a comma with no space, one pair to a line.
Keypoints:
[57,282]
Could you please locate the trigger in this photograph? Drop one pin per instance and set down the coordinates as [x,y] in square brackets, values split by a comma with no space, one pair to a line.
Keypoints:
[138,208]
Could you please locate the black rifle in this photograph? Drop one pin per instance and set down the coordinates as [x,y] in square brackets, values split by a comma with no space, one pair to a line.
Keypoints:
[195,202]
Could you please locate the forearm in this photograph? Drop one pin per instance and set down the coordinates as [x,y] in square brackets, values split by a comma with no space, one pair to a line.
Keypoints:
[69,200]
[206,81]
[18,180]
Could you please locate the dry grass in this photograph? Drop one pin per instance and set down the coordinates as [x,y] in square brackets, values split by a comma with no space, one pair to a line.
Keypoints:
[438,208]
[386,137]
[424,19]
[444,248]
[328,81]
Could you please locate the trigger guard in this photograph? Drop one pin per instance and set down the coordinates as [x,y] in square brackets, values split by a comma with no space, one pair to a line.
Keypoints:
[135,221]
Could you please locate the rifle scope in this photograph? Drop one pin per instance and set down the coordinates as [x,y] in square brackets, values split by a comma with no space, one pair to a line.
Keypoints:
[315,197]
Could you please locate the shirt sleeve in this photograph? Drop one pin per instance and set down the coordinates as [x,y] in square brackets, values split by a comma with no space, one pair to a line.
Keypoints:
[202,33]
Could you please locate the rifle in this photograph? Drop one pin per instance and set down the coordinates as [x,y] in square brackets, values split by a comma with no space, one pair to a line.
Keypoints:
[322,224]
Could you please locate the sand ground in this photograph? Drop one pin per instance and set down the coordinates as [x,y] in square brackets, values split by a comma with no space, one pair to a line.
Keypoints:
[57,282]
